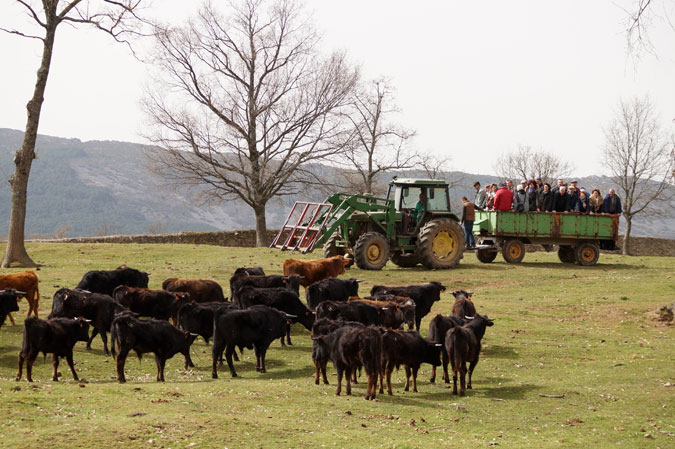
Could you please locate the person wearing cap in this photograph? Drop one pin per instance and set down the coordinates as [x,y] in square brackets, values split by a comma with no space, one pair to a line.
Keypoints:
[503,198]
[468,217]
[479,199]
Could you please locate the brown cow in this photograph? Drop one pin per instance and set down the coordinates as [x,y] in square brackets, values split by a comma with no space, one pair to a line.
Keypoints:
[315,270]
[200,290]
[26,281]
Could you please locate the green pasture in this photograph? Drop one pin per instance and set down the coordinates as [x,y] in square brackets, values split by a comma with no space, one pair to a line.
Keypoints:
[575,359]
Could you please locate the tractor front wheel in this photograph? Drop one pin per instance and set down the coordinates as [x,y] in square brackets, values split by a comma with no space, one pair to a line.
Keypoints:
[331,249]
[441,243]
[371,251]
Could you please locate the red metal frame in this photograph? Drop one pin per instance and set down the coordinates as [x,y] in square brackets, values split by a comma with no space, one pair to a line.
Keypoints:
[310,232]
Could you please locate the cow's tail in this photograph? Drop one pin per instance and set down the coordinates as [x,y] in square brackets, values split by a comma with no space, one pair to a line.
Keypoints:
[458,343]
[25,344]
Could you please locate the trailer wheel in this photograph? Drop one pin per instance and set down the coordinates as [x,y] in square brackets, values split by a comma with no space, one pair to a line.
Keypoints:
[486,255]
[330,248]
[513,251]
[587,254]
[441,243]
[405,260]
[566,254]
[371,251]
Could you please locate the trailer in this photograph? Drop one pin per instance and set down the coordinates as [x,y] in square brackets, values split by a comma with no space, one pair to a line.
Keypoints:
[578,237]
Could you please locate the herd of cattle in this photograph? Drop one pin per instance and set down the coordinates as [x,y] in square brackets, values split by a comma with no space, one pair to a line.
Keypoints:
[353,333]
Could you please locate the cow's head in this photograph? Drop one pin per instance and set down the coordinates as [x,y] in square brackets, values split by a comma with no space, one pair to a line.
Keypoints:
[441,288]
[348,260]
[82,329]
[462,294]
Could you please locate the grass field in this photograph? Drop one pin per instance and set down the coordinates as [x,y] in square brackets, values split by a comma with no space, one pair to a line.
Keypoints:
[586,334]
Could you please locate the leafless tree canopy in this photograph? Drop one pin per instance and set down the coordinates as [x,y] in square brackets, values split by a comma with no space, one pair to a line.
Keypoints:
[118,18]
[526,163]
[375,143]
[640,157]
[640,18]
[241,103]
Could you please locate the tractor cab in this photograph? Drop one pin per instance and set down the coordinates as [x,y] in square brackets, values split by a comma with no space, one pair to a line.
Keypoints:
[416,199]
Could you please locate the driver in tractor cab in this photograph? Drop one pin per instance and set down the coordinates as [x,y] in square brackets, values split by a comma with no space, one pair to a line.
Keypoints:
[420,207]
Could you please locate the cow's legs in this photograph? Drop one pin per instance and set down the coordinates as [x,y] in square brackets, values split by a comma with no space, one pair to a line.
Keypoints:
[18,373]
[69,359]
[94,332]
[407,378]
[228,355]
[340,372]
[121,360]
[323,372]
[472,365]
[11,319]
[161,362]
[217,354]
[432,379]
[55,364]
[104,337]
[188,359]
[414,376]
[263,352]
[462,380]
[29,367]
[372,385]
[288,334]
[390,368]
[446,361]
[349,380]
[258,365]
[454,380]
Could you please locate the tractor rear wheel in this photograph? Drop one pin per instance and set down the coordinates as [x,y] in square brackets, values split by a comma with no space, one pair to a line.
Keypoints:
[330,248]
[587,254]
[486,255]
[405,260]
[441,243]
[371,251]
[513,251]
[566,254]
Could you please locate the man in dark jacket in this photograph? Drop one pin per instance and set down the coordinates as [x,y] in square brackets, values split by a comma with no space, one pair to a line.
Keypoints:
[468,217]
[561,200]
[611,203]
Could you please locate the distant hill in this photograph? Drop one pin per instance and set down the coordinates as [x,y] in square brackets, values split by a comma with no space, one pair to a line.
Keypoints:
[105,187]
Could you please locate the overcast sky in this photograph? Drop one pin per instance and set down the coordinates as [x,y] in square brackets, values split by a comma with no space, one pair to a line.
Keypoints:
[475,79]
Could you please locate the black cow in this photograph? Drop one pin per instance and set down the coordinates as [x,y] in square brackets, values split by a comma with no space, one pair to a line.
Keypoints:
[438,328]
[281,299]
[157,304]
[9,303]
[143,336]
[349,311]
[239,281]
[98,308]
[320,356]
[331,289]
[463,344]
[423,295]
[56,336]
[253,328]
[198,317]
[105,282]
[463,306]
[410,349]
[351,348]
[250,271]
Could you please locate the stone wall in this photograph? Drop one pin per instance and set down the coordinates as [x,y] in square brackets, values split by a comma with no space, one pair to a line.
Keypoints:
[640,246]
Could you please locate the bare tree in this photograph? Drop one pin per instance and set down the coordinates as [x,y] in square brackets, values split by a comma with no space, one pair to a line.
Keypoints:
[62,231]
[243,103]
[106,228]
[117,18]
[375,144]
[640,18]
[639,156]
[526,163]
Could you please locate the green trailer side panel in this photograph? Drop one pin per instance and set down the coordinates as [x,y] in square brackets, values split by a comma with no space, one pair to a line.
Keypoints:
[534,225]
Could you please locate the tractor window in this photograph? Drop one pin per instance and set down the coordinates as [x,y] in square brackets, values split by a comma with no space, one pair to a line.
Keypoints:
[438,199]
[407,197]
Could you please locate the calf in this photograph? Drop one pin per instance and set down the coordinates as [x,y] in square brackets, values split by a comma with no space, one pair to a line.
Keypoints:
[463,306]
[320,356]
[351,348]
[8,302]
[200,290]
[26,281]
[239,281]
[56,336]
[423,296]
[143,336]
[407,348]
[281,299]
[100,281]
[253,328]
[438,328]
[98,308]
[392,314]
[315,270]
[158,304]
[331,289]
[463,344]
[349,311]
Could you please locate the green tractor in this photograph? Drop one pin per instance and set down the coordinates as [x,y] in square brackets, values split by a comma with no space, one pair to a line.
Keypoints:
[372,230]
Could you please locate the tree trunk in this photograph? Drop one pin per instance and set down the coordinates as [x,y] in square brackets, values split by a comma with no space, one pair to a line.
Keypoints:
[261,239]
[626,236]
[23,159]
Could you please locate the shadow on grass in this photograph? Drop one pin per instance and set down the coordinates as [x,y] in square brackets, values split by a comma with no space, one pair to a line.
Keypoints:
[503,352]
